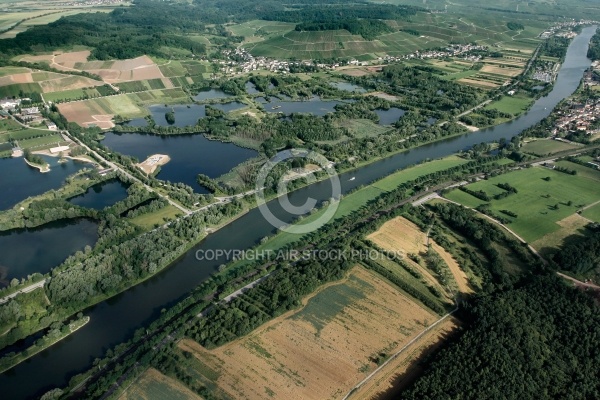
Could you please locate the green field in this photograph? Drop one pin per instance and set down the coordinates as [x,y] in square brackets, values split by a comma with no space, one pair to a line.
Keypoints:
[539,204]
[163,96]
[69,95]
[172,68]
[4,71]
[511,104]
[592,213]
[542,147]
[9,125]
[15,89]
[393,181]
[148,221]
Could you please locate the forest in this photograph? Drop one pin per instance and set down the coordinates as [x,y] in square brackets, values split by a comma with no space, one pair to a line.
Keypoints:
[537,340]
[594,49]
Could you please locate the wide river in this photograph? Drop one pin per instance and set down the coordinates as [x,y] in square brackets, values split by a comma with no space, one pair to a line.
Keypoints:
[114,320]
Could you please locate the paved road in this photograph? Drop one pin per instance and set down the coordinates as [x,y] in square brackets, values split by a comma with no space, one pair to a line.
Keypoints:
[25,289]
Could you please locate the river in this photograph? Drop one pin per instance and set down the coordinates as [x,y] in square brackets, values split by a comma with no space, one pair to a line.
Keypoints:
[116,319]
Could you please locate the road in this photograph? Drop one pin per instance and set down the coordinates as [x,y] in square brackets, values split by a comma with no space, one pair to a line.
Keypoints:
[579,283]
[25,289]
[117,167]
[402,350]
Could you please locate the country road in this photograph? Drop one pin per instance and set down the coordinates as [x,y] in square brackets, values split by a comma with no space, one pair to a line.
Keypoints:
[25,289]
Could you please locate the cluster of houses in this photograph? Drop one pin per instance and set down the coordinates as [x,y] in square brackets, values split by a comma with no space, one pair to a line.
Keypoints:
[578,118]
[88,3]
[27,115]
[250,63]
[555,29]
[546,72]
[454,50]
[241,61]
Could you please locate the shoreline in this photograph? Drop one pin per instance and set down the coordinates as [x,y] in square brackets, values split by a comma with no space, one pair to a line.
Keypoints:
[20,357]
[153,162]
[42,168]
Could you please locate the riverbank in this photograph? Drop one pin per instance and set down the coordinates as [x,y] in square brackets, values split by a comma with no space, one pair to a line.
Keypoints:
[42,168]
[9,361]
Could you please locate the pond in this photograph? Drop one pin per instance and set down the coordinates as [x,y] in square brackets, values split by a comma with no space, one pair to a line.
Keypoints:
[190,154]
[347,86]
[29,250]
[314,106]
[185,114]
[251,88]
[102,195]
[211,94]
[389,116]
[19,181]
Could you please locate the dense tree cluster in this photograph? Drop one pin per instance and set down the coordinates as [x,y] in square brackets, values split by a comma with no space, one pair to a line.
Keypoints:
[535,341]
[594,49]
[368,29]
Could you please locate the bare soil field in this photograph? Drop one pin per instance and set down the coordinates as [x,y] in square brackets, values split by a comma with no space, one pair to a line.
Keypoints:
[355,72]
[152,385]
[476,83]
[395,376]
[86,113]
[320,351]
[399,234]
[16,78]
[68,83]
[492,69]
[69,60]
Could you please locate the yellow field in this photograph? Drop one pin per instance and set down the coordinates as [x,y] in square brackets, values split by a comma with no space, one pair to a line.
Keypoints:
[493,69]
[553,241]
[395,376]
[321,351]
[401,235]
[152,385]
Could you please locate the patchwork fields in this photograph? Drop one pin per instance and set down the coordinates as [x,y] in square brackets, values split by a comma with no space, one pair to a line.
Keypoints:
[544,197]
[319,351]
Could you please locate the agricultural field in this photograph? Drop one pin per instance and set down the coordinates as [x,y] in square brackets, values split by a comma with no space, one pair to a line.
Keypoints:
[515,105]
[258,30]
[152,385]
[592,213]
[33,139]
[38,17]
[99,112]
[401,235]
[13,80]
[544,197]
[315,45]
[399,373]
[70,95]
[541,147]
[319,351]
[552,242]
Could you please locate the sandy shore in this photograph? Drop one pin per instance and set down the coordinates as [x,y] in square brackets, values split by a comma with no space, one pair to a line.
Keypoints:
[41,168]
[150,165]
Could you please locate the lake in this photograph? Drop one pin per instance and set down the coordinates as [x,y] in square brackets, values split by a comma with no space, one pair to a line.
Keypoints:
[347,86]
[190,154]
[185,114]
[29,250]
[19,181]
